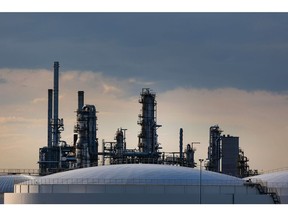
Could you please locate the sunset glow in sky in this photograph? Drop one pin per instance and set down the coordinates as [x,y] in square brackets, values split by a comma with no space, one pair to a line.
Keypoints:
[205,68]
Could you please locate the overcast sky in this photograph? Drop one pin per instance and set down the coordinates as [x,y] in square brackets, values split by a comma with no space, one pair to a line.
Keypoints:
[206,69]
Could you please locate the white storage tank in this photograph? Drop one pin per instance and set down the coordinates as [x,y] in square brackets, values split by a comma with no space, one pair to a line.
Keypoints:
[7,183]
[136,184]
[276,182]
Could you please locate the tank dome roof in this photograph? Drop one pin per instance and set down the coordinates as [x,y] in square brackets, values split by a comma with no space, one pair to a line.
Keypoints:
[7,182]
[142,173]
[274,178]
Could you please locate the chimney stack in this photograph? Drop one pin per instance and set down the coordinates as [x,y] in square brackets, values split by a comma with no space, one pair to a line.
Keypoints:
[56,100]
[80,100]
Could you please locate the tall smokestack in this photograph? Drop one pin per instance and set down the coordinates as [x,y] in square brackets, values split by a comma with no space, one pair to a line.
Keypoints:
[49,133]
[56,99]
[80,100]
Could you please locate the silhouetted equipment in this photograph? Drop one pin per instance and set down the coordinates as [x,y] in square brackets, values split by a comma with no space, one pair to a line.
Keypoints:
[181,158]
[189,160]
[243,167]
[50,112]
[223,152]
[225,156]
[148,147]
[181,145]
[214,149]
[87,142]
[57,155]
[230,152]
[148,138]
[56,121]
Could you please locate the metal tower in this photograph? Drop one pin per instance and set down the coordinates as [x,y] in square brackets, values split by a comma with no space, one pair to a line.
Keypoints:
[147,119]
[86,130]
[214,149]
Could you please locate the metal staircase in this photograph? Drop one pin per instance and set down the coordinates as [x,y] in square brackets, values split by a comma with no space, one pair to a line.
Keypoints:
[265,190]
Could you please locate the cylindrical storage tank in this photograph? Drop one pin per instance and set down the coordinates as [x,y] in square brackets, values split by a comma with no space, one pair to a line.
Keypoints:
[7,183]
[137,184]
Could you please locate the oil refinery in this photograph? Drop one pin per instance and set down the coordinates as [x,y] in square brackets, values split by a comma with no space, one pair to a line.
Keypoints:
[145,174]
[57,156]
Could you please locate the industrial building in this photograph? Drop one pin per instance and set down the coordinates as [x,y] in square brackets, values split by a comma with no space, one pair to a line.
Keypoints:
[225,155]
[230,154]
[137,184]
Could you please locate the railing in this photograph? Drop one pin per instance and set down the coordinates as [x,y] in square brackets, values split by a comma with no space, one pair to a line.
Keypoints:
[270,184]
[267,188]
[42,181]
[20,171]
[274,170]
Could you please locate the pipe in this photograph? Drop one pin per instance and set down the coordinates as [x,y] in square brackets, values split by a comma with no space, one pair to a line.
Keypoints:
[181,145]
[80,100]
[56,99]
[49,133]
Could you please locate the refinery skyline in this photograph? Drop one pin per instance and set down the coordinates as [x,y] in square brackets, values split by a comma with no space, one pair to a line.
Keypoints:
[206,69]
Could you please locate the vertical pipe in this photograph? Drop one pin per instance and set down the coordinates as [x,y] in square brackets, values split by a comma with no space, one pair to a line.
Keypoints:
[56,99]
[200,182]
[49,134]
[75,137]
[103,150]
[80,100]
[181,145]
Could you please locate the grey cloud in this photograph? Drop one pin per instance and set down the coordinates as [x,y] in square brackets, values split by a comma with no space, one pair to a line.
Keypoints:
[202,50]
[3,81]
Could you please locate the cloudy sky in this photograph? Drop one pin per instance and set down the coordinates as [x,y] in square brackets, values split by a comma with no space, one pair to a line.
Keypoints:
[206,68]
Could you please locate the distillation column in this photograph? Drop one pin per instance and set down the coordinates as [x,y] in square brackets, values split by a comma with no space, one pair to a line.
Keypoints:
[119,143]
[189,151]
[147,119]
[86,127]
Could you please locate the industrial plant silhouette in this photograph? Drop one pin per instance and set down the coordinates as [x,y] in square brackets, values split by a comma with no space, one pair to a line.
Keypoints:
[80,173]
